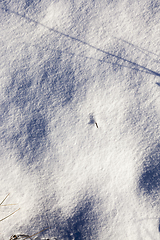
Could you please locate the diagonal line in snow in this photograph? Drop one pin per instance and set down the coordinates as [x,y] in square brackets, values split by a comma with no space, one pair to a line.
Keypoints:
[136,65]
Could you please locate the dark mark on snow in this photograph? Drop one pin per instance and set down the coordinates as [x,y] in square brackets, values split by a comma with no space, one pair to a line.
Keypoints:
[92,120]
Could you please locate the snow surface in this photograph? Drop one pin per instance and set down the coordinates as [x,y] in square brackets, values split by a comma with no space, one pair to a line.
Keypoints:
[65,66]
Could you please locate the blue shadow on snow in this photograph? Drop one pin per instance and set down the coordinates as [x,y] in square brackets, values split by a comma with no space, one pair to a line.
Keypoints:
[149,181]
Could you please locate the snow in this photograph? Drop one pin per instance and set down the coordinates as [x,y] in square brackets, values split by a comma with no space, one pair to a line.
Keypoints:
[66,66]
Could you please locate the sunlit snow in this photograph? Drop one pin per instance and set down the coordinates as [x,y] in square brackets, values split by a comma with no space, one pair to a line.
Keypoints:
[80,111]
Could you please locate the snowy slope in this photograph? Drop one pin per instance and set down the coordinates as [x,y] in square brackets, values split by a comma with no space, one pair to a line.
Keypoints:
[65,66]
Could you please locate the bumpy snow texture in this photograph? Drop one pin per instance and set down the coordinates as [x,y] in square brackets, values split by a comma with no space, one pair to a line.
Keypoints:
[80,112]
